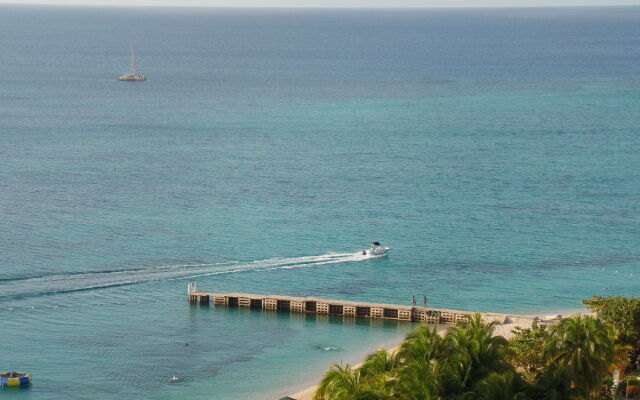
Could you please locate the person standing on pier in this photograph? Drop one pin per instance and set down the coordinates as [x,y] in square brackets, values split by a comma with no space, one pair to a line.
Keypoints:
[413,300]
[425,301]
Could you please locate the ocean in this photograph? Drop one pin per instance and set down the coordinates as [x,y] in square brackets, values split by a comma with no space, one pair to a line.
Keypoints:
[495,151]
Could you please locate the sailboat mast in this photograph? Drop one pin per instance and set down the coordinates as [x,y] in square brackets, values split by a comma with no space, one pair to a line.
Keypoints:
[133,58]
[133,74]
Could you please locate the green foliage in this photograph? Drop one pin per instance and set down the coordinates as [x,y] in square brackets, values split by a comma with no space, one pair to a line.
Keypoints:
[421,345]
[584,348]
[343,383]
[526,346]
[377,363]
[623,314]
[507,386]
[568,361]
[421,381]
[552,383]
[429,366]
[474,354]
[380,374]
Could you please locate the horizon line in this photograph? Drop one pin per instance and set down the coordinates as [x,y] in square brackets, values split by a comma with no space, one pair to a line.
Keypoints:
[298,7]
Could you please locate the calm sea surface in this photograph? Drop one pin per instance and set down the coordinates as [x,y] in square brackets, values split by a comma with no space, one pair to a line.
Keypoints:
[497,152]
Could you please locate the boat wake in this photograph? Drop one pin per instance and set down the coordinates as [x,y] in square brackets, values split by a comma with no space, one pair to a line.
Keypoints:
[75,282]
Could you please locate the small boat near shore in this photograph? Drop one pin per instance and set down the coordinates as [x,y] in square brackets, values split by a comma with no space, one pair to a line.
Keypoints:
[376,250]
[14,379]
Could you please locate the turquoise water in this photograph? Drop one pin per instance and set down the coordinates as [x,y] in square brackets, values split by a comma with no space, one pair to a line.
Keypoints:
[495,152]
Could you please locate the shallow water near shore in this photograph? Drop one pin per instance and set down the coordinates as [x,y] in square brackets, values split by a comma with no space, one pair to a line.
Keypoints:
[494,152]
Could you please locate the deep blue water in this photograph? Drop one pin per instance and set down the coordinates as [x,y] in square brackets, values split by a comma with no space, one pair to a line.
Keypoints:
[495,151]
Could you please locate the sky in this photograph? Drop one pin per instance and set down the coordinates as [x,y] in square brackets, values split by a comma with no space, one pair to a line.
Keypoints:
[335,3]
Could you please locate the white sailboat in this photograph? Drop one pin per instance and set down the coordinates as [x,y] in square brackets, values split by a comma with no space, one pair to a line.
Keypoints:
[133,75]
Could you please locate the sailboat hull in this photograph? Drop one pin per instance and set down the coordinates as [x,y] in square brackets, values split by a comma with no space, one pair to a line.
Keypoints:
[132,78]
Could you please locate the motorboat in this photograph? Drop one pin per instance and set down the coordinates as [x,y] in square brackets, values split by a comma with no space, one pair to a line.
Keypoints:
[133,75]
[376,250]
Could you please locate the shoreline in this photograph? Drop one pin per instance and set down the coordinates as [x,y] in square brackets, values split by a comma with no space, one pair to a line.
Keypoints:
[307,389]
[503,329]
[311,387]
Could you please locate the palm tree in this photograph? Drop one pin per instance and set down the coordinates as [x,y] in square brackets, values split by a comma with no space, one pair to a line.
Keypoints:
[421,381]
[423,361]
[421,345]
[585,348]
[380,373]
[475,354]
[343,383]
[507,386]
[552,383]
[379,362]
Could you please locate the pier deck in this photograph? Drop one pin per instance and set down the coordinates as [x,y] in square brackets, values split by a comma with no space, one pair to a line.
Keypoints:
[359,309]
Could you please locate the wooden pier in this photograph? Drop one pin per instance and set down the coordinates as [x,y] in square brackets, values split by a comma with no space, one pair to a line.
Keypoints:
[315,305]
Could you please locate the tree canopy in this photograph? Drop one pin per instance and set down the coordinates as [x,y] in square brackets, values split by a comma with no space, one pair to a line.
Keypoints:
[568,360]
[623,314]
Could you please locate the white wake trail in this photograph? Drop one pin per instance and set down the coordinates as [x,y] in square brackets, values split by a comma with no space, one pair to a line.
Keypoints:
[64,283]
